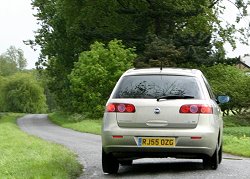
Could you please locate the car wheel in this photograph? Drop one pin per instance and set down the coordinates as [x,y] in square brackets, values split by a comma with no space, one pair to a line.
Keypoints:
[212,162]
[126,162]
[220,154]
[215,159]
[109,163]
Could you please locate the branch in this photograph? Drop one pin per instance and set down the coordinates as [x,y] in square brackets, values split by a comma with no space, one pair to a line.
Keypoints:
[122,4]
[213,3]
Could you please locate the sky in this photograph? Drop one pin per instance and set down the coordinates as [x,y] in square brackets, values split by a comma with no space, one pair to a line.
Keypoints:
[17,23]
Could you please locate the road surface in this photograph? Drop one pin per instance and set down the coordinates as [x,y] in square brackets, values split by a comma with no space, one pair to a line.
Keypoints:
[88,149]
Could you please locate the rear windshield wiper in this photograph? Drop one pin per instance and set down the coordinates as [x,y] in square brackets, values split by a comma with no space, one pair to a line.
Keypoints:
[175,97]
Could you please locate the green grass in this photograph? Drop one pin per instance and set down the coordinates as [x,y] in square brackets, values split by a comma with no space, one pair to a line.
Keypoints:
[237,134]
[25,156]
[236,145]
[77,122]
[237,131]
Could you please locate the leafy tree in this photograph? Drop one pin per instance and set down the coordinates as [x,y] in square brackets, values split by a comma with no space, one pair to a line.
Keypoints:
[7,67]
[22,93]
[2,83]
[43,78]
[12,61]
[16,55]
[96,73]
[229,80]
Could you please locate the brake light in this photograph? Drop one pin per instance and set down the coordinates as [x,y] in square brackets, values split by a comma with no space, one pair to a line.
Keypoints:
[120,107]
[111,108]
[196,109]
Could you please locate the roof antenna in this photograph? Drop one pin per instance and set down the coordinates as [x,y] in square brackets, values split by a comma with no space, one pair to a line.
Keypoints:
[161,66]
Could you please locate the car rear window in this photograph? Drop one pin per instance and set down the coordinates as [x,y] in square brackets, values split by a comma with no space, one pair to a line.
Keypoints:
[155,86]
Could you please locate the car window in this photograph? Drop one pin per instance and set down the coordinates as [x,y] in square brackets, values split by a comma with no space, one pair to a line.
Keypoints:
[154,86]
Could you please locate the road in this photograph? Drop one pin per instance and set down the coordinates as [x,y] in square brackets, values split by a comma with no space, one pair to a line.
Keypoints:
[88,149]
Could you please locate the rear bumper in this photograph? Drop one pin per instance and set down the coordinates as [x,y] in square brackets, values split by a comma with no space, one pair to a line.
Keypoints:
[186,147]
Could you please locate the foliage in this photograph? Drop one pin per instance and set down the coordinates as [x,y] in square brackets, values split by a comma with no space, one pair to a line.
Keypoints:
[43,79]
[16,55]
[12,61]
[228,80]
[22,93]
[25,156]
[172,31]
[7,67]
[2,83]
[237,120]
[102,66]
[77,122]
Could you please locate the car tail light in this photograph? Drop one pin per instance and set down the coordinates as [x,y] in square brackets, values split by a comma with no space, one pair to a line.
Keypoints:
[196,109]
[120,107]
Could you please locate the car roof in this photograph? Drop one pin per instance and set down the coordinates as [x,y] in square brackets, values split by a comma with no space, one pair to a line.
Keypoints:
[164,71]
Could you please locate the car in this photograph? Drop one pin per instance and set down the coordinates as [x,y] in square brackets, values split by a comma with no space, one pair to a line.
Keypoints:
[162,112]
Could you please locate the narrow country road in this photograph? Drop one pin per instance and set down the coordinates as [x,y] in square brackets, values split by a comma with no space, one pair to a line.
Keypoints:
[88,149]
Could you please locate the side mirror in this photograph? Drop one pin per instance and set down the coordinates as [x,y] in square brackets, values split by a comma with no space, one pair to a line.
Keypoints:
[223,99]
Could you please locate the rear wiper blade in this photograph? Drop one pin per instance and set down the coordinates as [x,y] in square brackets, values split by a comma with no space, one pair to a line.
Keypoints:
[175,97]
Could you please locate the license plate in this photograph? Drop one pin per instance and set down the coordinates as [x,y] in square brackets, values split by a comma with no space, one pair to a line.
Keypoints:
[155,141]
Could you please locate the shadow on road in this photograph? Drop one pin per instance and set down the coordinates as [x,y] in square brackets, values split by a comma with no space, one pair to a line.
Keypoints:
[152,169]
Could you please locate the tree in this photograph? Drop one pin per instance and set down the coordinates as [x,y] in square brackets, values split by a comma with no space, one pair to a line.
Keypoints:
[22,93]
[2,83]
[228,80]
[43,79]
[7,67]
[102,66]
[16,55]
[11,61]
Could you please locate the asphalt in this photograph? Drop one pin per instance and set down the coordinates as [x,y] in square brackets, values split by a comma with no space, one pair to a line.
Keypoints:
[88,149]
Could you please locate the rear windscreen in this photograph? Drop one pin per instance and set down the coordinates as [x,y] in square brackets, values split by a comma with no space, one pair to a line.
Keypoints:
[155,86]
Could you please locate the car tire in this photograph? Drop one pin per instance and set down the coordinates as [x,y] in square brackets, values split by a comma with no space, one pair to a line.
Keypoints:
[109,163]
[212,162]
[126,162]
[215,159]
[220,154]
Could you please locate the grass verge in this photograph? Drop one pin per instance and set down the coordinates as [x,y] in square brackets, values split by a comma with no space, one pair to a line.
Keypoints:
[25,156]
[237,145]
[77,122]
[236,132]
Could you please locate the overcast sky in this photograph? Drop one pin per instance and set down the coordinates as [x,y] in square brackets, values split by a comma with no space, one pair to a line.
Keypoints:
[18,24]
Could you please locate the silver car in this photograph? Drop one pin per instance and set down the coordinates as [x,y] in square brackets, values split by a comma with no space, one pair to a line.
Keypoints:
[162,113]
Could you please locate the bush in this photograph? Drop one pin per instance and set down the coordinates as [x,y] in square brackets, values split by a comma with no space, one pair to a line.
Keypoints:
[2,83]
[22,93]
[95,75]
